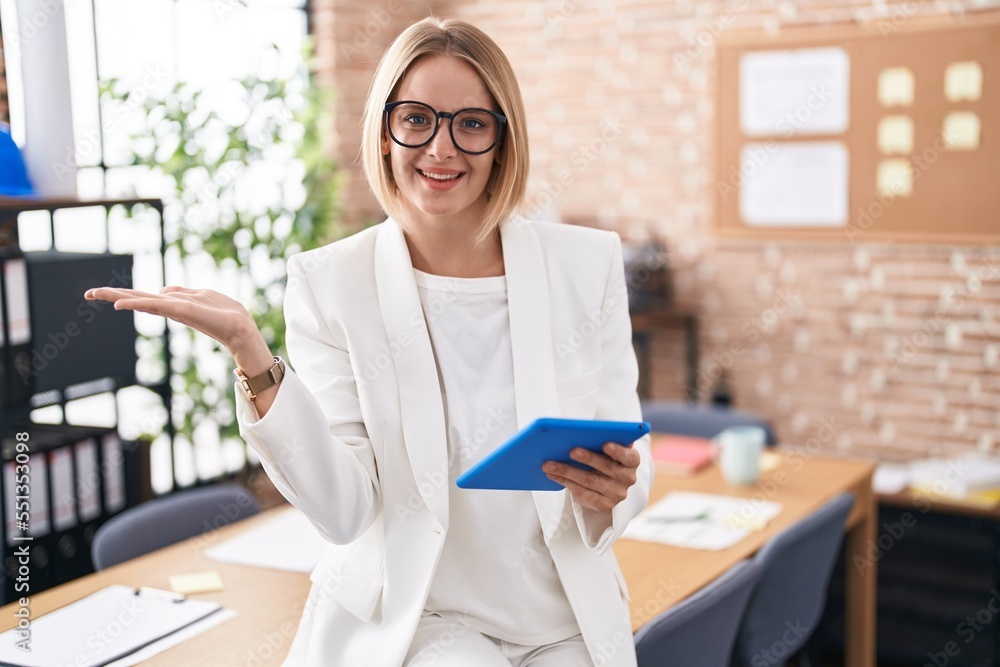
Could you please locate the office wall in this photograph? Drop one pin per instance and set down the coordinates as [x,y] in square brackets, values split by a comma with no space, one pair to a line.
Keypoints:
[4,113]
[863,348]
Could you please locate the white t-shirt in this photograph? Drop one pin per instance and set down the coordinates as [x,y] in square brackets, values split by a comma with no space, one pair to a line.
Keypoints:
[496,574]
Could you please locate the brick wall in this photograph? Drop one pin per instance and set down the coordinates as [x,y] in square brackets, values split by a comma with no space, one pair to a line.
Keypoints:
[4,109]
[896,346]
[350,38]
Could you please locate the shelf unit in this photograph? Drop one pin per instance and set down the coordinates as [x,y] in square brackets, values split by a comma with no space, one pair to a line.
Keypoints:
[10,209]
[56,555]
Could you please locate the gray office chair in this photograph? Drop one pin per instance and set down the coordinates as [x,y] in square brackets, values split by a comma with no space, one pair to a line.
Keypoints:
[164,521]
[699,420]
[701,630]
[787,602]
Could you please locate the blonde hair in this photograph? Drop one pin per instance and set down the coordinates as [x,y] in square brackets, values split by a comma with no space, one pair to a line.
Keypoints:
[434,36]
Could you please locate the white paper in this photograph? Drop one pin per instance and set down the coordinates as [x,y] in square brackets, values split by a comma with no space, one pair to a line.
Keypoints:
[956,477]
[891,478]
[175,638]
[794,184]
[114,473]
[110,622]
[9,515]
[286,542]
[88,479]
[786,93]
[63,494]
[38,518]
[18,322]
[713,522]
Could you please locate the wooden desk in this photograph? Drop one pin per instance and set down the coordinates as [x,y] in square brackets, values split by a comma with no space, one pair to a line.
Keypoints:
[659,576]
[269,602]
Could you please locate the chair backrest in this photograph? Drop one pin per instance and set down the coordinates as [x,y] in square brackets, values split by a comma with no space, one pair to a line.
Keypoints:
[163,521]
[698,420]
[787,603]
[701,630]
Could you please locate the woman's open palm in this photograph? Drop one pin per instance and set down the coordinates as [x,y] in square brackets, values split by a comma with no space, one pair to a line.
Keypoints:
[208,311]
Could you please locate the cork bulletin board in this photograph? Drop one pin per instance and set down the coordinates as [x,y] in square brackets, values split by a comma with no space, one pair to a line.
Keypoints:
[889,131]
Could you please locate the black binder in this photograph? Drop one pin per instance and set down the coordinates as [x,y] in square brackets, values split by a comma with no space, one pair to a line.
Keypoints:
[75,340]
[16,378]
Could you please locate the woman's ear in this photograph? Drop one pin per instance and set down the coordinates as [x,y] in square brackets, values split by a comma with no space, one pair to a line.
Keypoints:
[385,143]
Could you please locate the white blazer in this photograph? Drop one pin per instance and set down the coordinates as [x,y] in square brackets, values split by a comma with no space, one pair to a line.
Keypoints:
[356,435]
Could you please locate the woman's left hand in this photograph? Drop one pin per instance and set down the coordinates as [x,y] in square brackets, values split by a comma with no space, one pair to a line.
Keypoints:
[603,487]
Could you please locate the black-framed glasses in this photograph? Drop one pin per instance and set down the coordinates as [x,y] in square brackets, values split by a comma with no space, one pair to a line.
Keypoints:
[413,124]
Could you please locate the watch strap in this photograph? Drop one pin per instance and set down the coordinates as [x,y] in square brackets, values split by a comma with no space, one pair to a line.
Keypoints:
[253,386]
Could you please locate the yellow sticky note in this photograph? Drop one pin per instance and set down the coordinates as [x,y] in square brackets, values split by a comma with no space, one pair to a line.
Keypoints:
[896,86]
[963,81]
[769,461]
[196,582]
[895,178]
[895,135]
[961,131]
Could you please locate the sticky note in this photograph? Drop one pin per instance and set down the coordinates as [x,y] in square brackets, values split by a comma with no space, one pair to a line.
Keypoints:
[895,178]
[961,131]
[196,582]
[963,81]
[896,86]
[895,135]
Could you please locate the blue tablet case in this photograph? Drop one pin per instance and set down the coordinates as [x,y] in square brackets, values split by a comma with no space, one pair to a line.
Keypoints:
[516,465]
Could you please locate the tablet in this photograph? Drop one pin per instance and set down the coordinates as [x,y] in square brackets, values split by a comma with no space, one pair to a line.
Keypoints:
[516,465]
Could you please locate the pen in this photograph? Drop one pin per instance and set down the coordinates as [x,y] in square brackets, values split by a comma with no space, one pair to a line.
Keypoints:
[681,519]
[167,595]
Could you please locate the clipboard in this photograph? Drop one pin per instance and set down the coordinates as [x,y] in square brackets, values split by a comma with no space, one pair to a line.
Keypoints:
[103,627]
[516,465]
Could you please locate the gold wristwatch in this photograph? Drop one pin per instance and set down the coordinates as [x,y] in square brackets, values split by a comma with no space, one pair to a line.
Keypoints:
[258,383]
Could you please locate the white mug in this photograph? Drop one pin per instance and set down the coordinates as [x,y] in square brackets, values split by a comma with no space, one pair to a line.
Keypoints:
[738,450]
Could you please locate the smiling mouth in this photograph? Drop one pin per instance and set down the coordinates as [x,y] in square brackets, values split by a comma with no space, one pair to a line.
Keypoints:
[440,177]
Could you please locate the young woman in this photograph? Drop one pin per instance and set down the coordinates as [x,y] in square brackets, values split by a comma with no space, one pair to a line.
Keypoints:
[421,344]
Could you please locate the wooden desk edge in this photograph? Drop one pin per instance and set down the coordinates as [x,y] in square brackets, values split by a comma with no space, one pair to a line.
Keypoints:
[861,576]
